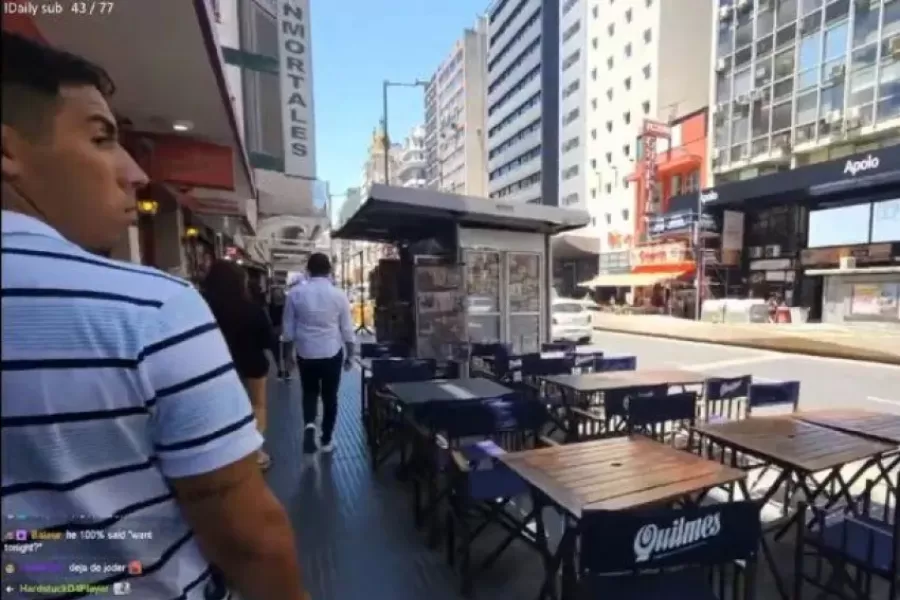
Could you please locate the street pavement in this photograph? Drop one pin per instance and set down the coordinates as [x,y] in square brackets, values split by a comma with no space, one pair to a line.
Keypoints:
[824,382]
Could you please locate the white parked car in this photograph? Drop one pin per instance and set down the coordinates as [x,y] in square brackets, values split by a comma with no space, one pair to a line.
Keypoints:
[571,321]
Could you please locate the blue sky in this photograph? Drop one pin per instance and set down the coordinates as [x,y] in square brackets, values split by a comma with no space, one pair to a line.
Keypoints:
[357,44]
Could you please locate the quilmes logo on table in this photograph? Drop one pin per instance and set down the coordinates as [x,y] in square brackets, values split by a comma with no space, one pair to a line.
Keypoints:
[852,167]
[653,541]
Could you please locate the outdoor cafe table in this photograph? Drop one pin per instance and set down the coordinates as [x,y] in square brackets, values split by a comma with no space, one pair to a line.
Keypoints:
[622,474]
[798,450]
[577,389]
[881,427]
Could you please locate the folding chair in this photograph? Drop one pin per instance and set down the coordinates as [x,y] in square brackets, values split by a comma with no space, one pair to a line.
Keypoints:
[726,398]
[479,351]
[566,347]
[860,544]
[385,422]
[481,488]
[783,394]
[694,553]
[610,418]
[665,418]
[615,363]
[383,350]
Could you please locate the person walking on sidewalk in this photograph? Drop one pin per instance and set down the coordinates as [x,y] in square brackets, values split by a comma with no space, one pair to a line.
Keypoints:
[248,333]
[276,316]
[317,321]
[119,399]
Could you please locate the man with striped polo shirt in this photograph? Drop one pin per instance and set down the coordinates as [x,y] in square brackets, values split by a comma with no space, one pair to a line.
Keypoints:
[122,412]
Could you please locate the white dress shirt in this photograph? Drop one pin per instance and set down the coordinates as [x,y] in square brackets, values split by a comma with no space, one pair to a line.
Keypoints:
[317,319]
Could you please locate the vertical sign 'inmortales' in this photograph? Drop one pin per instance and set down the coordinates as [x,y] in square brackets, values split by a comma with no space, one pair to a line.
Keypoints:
[296,88]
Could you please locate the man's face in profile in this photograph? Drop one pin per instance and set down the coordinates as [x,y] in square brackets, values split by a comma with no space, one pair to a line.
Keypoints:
[75,171]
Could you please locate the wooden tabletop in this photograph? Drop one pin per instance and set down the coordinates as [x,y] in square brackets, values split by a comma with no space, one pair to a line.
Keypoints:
[794,443]
[617,474]
[443,390]
[882,427]
[611,380]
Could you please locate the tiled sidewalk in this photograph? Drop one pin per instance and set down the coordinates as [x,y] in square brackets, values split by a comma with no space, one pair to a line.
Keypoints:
[354,529]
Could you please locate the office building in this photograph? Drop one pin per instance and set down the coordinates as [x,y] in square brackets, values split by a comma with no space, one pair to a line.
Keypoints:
[455,117]
[523,100]
[624,64]
[805,153]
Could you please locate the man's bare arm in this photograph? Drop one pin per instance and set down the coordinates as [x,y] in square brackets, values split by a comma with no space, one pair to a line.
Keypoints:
[243,529]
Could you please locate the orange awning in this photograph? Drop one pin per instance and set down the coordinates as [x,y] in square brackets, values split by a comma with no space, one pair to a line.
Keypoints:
[675,269]
[677,159]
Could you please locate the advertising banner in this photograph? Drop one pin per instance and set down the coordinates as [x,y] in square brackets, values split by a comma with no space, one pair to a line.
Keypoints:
[295,75]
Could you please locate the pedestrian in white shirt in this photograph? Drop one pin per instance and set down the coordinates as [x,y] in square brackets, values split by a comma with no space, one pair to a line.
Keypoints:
[317,321]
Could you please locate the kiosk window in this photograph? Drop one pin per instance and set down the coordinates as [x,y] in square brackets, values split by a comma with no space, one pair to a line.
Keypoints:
[875,301]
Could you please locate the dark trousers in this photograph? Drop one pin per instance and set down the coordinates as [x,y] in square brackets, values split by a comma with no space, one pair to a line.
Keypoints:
[321,377]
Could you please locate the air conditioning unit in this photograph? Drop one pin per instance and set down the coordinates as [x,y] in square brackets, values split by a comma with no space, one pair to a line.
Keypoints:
[837,72]
[725,12]
[721,64]
[851,123]
[801,136]
[848,262]
[834,117]
[743,99]
[756,94]
[853,113]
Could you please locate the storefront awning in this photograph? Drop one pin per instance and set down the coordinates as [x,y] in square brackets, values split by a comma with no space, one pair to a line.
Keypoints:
[572,245]
[630,279]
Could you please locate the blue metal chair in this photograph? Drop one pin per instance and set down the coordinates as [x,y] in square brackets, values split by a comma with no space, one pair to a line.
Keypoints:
[784,394]
[615,363]
[860,543]
[566,347]
[695,553]
[726,398]
[666,418]
[383,350]
[481,487]
[385,420]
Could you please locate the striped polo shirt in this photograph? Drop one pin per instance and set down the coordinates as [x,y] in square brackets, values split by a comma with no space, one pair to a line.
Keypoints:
[115,379]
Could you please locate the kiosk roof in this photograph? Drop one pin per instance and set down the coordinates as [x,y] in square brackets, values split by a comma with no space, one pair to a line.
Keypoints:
[390,214]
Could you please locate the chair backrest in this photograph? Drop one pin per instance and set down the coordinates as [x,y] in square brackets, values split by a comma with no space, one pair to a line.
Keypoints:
[615,363]
[614,400]
[728,388]
[386,371]
[615,542]
[660,416]
[567,347]
[585,362]
[492,350]
[536,366]
[510,366]
[383,350]
[484,417]
[783,393]
[448,370]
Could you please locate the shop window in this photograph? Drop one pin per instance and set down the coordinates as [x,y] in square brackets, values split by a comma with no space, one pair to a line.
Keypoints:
[842,226]
[886,221]
[875,301]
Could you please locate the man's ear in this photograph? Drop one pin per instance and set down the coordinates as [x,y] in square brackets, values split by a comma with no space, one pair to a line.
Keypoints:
[12,150]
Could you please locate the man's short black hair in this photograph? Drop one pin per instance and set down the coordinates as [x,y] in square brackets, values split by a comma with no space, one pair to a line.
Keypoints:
[318,265]
[34,73]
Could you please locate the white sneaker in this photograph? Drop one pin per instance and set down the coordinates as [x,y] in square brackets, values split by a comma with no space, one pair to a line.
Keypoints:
[309,439]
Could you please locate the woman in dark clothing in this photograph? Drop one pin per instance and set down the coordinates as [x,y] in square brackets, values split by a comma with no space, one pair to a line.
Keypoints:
[247,331]
[276,314]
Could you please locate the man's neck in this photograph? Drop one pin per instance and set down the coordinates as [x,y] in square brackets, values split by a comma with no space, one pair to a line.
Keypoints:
[13,201]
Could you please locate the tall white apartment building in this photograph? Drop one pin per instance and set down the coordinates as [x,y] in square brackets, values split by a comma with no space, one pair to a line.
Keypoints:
[623,61]
[523,100]
[455,112]
[411,160]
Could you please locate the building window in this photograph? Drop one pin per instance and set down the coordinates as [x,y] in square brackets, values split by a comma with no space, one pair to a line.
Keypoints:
[259,30]
[609,62]
[628,50]
[593,104]
[609,94]
[571,59]
[569,5]
[262,109]
[608,217]
[570,199]
[628,83]
[626,150]
[595,12]
[648,35]
[625,214]
[593,193]
[593,134]
[646,71]
[572,30]
[609,157]
[628,16]
[570,172]
[645,106]
[595,43]
[593,164]
[611,29]
[609,126]
[594,74]
[627,117]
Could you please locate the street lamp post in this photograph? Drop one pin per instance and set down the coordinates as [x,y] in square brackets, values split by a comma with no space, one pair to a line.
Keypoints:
[384,117]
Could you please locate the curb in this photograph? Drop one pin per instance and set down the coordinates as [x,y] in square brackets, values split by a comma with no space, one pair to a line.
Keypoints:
[822,350]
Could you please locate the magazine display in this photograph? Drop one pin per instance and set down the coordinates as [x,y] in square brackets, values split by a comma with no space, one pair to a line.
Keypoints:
[440,311]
